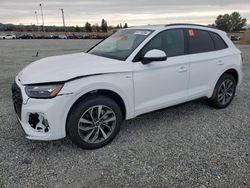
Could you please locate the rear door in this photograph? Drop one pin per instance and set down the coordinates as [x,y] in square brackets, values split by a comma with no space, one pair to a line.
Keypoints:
[206,61]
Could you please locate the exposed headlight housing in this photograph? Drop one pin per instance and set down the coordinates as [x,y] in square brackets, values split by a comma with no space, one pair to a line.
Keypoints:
[43,91]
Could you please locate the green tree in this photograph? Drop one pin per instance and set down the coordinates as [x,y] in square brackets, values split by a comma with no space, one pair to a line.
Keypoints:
[237,21]
[77,28]
[125,25]
[88,27]
[223,22]
[232,22]
[104,26]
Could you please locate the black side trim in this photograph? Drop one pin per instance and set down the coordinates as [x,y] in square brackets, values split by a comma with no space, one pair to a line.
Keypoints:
[186,24]
[95,45]
[78,77]
[17,99]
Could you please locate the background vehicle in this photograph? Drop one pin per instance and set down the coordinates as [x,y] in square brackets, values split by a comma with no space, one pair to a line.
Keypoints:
[235,38]
[8,37]
[70,37]
[25,36]
[62,37]
[78,36]
[135,71]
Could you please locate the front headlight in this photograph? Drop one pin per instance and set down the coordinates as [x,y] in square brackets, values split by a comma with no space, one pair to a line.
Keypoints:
[43,91]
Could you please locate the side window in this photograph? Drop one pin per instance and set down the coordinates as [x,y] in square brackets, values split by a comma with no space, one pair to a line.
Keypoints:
[199,41]
[219,43]
[170,41]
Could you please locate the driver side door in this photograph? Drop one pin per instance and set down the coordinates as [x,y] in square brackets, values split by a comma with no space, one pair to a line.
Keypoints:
[164,83]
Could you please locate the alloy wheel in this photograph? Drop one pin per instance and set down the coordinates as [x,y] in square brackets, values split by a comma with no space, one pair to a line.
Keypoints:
[97,124]
[226,91]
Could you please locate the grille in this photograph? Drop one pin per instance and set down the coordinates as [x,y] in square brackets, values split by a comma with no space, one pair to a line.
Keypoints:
[17,99]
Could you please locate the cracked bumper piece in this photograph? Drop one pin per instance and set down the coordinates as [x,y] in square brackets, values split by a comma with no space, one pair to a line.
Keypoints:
[44,119]
[41,119]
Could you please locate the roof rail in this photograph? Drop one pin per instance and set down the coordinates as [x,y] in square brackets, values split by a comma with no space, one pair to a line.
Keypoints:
[178,24]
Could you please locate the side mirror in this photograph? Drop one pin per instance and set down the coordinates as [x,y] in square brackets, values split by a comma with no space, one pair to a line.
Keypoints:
[154,55]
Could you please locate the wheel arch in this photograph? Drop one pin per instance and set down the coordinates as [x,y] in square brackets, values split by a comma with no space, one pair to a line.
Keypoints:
[230,70]
[234,73]
[105,92]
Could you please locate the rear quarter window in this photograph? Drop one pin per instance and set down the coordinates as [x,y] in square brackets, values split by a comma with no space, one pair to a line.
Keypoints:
[219,43]
[200,41]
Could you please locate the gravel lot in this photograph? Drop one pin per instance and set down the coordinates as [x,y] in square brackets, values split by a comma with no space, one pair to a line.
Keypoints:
[190,145]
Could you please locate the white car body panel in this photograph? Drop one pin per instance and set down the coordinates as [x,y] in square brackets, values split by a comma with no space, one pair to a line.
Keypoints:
[160,84]
[208,77]
[143,88]
[66,67]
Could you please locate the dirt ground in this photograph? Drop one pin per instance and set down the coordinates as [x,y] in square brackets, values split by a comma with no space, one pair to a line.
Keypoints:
[190,145]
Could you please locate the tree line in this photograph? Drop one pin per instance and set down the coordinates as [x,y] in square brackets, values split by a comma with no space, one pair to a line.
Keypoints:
[228,22]
[103,27]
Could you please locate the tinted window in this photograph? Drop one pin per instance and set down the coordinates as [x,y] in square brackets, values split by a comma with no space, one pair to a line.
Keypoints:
[199,41]
[170,41]
[218,41]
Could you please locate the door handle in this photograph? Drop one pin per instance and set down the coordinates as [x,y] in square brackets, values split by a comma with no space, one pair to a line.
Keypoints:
[220,62]
[183,69]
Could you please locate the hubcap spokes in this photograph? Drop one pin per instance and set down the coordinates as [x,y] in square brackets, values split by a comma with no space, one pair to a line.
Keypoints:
[96,124]
[225,92]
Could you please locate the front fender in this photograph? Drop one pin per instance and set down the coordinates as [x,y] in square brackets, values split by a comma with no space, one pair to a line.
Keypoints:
[120,83]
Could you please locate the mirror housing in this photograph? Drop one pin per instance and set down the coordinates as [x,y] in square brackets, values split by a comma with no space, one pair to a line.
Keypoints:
[154,55]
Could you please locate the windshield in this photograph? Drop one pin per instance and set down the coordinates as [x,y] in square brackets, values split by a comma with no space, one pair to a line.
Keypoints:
[121,44]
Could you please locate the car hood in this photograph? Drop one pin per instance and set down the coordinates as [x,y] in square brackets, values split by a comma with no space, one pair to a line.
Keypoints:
[66,67]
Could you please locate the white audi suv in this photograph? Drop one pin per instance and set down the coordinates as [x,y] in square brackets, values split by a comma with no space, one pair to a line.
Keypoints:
[86,96]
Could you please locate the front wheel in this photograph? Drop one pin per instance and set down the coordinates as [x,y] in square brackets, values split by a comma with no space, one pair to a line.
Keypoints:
[94,121]
[224,92]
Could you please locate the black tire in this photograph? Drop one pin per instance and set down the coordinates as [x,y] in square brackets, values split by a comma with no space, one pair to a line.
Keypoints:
[214,101]
[81,108]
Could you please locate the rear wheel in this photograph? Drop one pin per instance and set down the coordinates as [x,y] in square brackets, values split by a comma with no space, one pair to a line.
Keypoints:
[94,121]
[224,92]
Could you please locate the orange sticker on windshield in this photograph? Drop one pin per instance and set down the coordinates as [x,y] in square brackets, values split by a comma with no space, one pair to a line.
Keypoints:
[191,33]
[120,37]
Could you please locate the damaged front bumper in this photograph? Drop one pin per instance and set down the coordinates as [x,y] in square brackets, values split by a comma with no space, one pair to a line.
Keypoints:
[42,119]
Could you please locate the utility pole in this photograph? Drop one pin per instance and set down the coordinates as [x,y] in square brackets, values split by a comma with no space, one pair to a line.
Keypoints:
[42,16]
[37,21]
[63,20]
[36,18]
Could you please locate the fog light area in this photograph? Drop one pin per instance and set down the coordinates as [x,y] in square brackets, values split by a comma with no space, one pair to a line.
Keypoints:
[38,122]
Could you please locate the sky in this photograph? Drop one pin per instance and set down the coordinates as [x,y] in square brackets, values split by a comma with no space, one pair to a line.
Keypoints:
[133,12]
